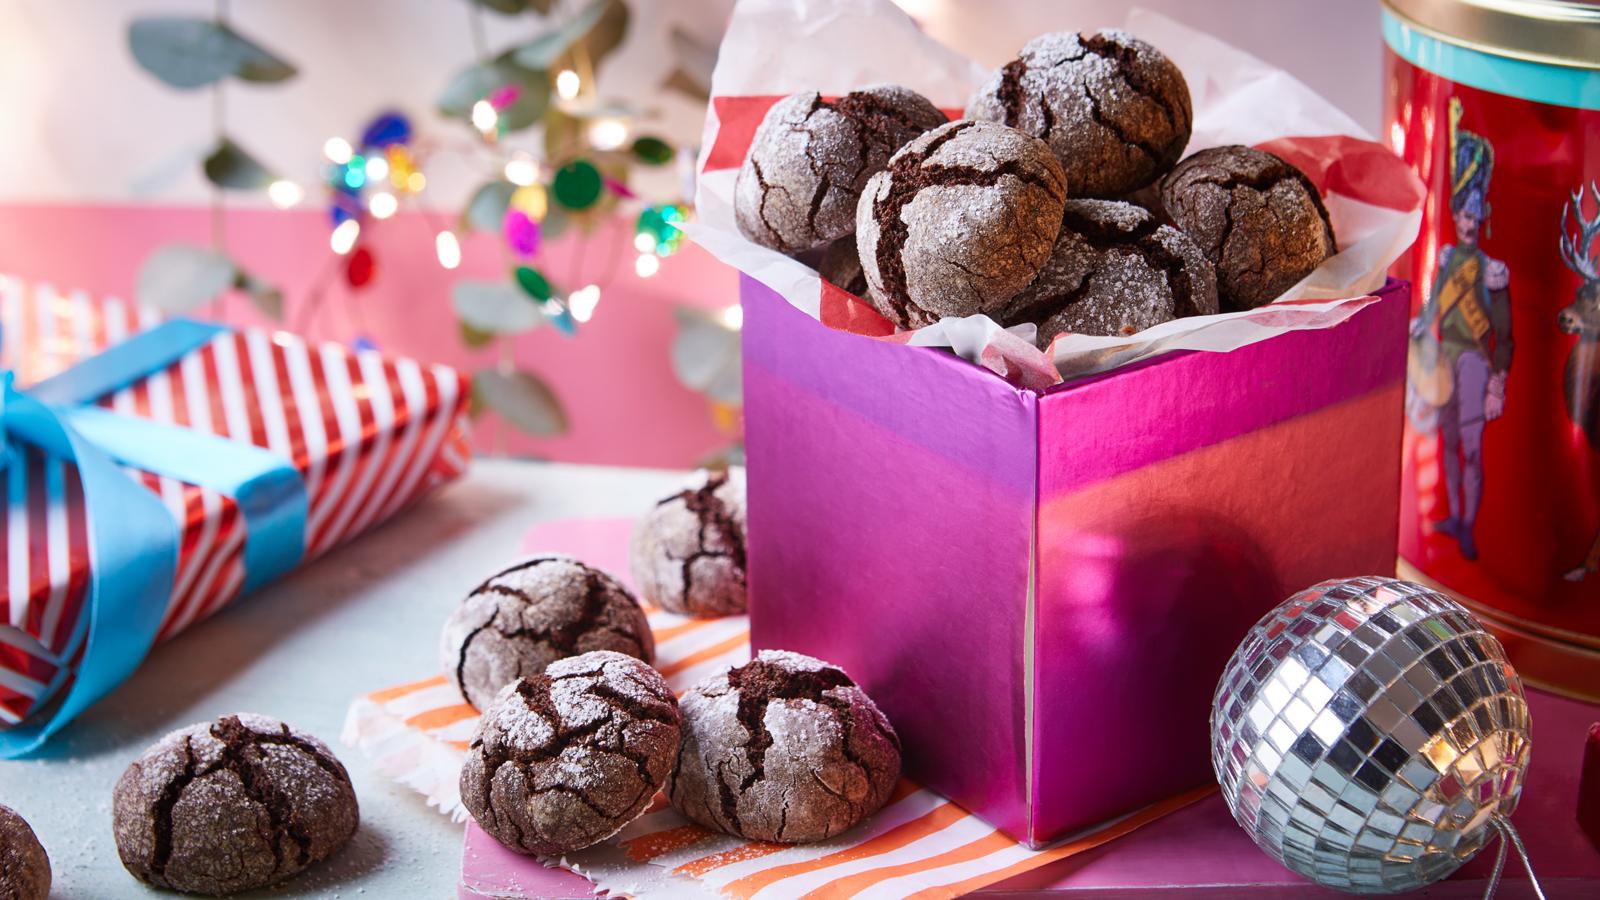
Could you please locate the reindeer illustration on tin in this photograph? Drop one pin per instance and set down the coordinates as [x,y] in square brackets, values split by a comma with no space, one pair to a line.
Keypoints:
[1581,317]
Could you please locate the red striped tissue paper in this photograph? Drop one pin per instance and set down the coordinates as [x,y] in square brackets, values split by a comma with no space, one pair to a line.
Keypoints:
[370,434]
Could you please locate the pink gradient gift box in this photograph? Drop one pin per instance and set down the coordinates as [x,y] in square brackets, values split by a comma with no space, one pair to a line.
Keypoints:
[1041,587]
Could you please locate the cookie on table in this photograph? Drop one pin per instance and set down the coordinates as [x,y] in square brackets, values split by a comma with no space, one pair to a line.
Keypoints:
[564,759]
[1115,270]
[24,866]
[811,157]
[960,222]
[531,614]
[783,748]
[230,805]
[1258,219]
[688,551]
[1115,110]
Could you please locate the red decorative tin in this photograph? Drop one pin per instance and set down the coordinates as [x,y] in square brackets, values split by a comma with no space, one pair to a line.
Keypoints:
[1497,107]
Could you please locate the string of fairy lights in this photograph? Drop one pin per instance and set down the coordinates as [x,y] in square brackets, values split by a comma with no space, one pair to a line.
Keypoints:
[372,178]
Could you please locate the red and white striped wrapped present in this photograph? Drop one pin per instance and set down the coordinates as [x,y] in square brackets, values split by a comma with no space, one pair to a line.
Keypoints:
[368,435]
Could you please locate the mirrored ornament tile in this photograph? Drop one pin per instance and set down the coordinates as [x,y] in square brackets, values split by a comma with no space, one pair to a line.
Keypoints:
[1396,731]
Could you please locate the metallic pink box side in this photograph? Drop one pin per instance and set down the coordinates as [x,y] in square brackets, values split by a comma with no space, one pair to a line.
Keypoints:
[1178,502]
[891,494]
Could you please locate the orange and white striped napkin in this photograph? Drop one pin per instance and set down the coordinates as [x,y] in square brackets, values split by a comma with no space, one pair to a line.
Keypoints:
[919,844]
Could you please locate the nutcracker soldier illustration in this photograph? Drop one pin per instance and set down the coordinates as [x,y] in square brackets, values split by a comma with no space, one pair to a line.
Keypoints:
[1461,340]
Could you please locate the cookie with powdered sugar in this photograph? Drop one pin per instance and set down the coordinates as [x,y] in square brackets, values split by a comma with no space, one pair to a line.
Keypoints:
[1257,218]
[784,748]
[1115,110]
[225,806]
[810,158]
[688,551]
[960,222]
[564,759]
[24,866]
[531,614]
[1115,270]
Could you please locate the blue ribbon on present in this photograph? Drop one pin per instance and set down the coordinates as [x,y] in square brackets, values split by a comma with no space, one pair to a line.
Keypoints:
[133,537]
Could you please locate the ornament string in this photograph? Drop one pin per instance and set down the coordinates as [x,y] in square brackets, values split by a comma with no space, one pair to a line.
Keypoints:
[1508,835]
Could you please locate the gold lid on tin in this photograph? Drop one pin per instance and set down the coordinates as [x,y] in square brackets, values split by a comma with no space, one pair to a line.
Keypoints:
[1555,32]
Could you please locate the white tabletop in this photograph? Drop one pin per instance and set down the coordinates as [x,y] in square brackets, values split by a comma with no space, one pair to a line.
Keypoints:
[365,617]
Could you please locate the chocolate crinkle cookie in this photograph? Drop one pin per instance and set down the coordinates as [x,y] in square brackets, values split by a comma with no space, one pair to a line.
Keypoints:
[24,867]
[1115,271]
[564,759]
[230,805]
[963,219]
[840,266]
[783,748]
[810,159]
[1258,219]
[530,615]
[688,551]
[1115,110]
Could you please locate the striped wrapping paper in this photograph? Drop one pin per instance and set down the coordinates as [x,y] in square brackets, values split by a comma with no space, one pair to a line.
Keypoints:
[920,844]
[369,434]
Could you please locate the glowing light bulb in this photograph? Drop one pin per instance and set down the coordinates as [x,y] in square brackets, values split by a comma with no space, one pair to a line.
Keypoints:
[733,317]
[484,118]
[644,242]
[337,150]
[343,239]
[608,134]
[522,171]
[581,302]
[377,168]
[646,265]
[448,248]
[567,84]
[284,193]
[382,205]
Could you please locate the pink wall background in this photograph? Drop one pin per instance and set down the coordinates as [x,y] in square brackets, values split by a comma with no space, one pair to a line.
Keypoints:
[625,406]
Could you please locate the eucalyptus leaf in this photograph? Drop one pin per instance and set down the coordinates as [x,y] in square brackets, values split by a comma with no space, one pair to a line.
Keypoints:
[522,399]
[495,307]
[554,224]
[191,53]
[598,29]
[229,166]
[696,58]
[706,356]
[177,278]
[266,297]
[486,211]
[482,80]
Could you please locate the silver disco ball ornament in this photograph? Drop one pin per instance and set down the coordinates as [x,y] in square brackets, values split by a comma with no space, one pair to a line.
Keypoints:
[1370,735]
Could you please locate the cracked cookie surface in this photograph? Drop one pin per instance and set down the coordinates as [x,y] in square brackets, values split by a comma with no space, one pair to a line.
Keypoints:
[1257,218]
[1115,270]
[785,748]
[529,615]
[564,759]
[810,158]
[1115,110]
[229,805]
[688,552]
[24,866]
[961,220]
